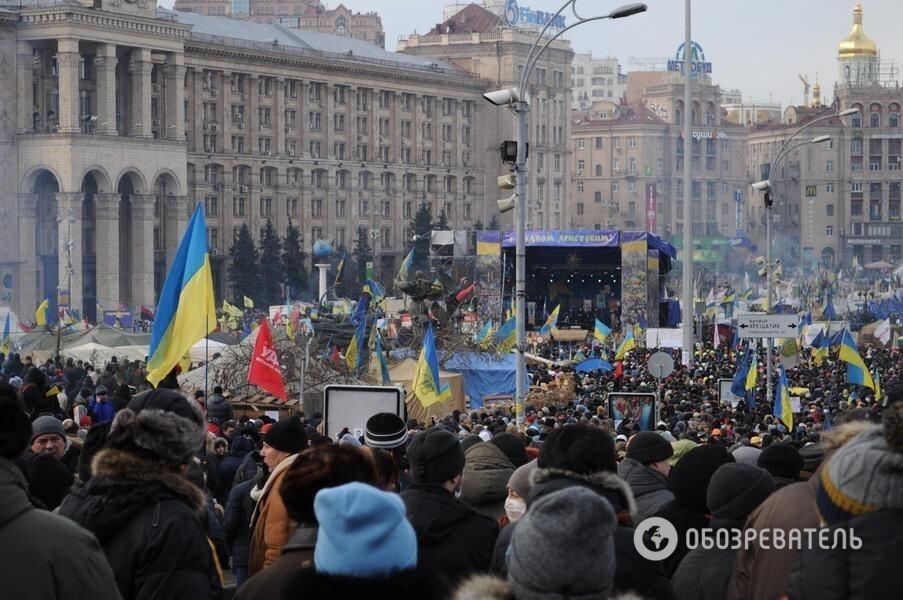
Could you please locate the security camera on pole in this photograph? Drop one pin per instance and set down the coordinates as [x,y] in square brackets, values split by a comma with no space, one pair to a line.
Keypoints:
[517,100]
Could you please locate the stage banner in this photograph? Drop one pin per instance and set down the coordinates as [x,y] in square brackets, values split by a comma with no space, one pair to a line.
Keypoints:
[488,276]
[634,290]
[575,238]
[652,286]
[118,318]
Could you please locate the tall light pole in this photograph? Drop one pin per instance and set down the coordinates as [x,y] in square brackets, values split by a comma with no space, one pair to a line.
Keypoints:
[688,315]
[766,187]
[517,99]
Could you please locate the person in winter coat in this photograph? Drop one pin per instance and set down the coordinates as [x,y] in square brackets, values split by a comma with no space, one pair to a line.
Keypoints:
[271,526]
[859,490]
[454,540]
[584,456]
[764,574]
[34,395]
[645,468]
[484,482]
[365,549]
[784,463]
[315,469]
[562,548]
[690,479]
[145,513]
[736,489]
[121,397]
[219,407]
[237,527]
[101,409]
[46,557]
[241,447]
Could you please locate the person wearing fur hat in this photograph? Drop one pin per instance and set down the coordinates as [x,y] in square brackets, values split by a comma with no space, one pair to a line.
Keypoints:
[47,557]
[454,540]
[736,489]
[144,511]
[645,468]
[860,490]
[365,549]
[581,456]
[271,526]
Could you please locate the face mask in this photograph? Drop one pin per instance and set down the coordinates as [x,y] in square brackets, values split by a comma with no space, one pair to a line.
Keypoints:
[515,508]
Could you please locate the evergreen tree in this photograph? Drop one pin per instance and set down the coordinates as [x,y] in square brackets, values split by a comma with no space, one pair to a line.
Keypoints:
[356,271]
[493,223]
[293,262]
[244,276]
[441,223]
[272,275]
[423,225]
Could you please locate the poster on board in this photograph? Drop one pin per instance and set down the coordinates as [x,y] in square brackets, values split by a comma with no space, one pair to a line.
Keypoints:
[639,408]
[350,406]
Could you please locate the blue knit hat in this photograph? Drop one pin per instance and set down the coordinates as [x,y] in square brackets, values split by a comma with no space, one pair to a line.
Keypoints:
[363,532]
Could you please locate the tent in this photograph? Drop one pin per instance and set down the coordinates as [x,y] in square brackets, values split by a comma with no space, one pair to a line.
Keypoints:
[204,349]
[593,364]
[403,373]
[484,374]
[98,354]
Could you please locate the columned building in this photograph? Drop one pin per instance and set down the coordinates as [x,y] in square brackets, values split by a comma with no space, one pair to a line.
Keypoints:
[119,119]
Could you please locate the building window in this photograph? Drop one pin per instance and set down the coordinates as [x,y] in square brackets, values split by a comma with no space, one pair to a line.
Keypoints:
[598,143]
[597,197]
[829,188]
[579,186]
[875,120]
[580,143]
[266,207]
[211,206]
[615,186]
[829,231]
[580,208]
[829,210]
[581,165]
[631,142]
[829,165]
[291,207]
[598,171]
[238,206]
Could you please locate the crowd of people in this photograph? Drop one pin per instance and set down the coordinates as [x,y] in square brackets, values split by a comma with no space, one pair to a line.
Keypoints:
[114,490]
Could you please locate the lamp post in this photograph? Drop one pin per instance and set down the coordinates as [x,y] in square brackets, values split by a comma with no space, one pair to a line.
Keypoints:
[517,99]
[766,187]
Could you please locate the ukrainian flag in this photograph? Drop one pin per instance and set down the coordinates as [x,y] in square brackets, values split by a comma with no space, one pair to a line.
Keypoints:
[506,337]
[856,371]
[782,409]
[745,378]
[820,348]
[626,345]
[40,315]
[551,322]
[354,356]
[381,360]
[6,342]
[601,331]
[483,334]
[406,265]
[186,311]
[427,386]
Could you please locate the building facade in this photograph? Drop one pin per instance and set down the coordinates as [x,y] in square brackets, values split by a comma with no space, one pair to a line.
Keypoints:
[476,41]
[310,15]
[122,119]
[595,79]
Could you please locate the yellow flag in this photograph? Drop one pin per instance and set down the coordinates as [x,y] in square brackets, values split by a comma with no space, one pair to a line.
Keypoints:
[248,302]
[289,330]
[40,315]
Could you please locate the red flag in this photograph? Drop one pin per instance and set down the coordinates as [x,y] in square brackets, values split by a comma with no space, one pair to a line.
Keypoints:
[619,370]
[465,292]
[335,356]
[264,371]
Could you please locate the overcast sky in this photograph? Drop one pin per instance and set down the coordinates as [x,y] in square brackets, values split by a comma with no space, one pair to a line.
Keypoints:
[757,46]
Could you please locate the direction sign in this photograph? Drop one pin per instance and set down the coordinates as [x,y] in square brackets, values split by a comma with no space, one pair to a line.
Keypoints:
[660,365]
[767,326]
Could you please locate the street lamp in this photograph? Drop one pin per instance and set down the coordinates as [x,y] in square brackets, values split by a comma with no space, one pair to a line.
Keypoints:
[517,99]
[766,187]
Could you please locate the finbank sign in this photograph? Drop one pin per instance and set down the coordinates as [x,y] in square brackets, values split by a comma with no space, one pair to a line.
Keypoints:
[521,16]
[698,63]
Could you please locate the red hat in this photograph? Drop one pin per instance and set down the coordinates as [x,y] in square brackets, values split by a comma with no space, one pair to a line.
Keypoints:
[266,428]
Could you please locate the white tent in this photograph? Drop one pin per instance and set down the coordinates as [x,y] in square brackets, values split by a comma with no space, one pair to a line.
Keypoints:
[98,354]
[204,350]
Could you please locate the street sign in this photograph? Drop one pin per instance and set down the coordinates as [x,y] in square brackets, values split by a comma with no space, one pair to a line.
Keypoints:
[660,365]
[767,326]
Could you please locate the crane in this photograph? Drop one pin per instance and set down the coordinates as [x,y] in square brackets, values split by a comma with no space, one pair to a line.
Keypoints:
[805,81]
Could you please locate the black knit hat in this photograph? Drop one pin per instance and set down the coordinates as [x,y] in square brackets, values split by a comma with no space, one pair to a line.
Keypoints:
[386,431]
[286,435]
[648,447]
[736,489]
[512,446]
[781,460]
[436,456]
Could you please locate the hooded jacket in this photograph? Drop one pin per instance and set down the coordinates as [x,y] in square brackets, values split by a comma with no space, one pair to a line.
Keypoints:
[219,407]
[147,518]
[484,483]
[632,571]
[650,488]
[453,540]
[47,556]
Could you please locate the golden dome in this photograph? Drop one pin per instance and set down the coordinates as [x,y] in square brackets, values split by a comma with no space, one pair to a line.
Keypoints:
[857,43]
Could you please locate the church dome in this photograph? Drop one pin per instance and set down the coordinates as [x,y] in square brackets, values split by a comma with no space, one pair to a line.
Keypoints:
[857,43]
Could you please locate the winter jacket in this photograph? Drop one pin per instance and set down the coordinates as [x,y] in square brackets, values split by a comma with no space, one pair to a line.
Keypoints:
[453,540]
[271,526]
[219,407]
[417,583]
[704,574]
[241,447]
[650,488]
[484,484]
[45,556]
[101,412]
[237,522]
[297,554]
[147,518]
[632,571]
[764,574]
[486,587]
[49,479]
[858,574]
[683,519]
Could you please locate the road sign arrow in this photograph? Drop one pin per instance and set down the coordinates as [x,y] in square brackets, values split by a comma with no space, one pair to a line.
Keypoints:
[792,326]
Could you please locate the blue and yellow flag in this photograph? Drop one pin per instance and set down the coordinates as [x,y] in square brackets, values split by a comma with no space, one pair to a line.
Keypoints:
[186,311]
[354,355]
[506,337]
[406,265]
[427,386]
[820,348]
[856,371]
[782,408]
[6,342]
[626,345]
[40,315]
[381,360]
[551,322]
[482,336]
[745,377]
[601,331]
[878,393]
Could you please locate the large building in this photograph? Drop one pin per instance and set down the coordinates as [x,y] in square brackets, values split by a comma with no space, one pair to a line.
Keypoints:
[118,120]
[309,15]
[595,79]
[482,43]
[840,201]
